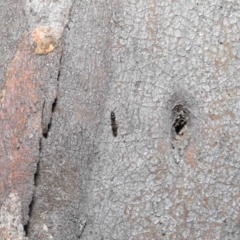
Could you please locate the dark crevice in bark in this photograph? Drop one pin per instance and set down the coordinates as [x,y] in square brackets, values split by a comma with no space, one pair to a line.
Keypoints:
[70,16]
[81,229]
[36,174]
[45,134]
[31,205]
[59,72]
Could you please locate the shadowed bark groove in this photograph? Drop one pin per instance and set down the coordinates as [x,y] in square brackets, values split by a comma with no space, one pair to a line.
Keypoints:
[31,205]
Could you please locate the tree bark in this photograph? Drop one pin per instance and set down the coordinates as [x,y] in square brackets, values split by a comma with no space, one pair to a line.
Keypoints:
[119,120]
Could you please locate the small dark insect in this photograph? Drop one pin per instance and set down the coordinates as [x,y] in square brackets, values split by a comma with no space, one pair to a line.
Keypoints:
[114,124]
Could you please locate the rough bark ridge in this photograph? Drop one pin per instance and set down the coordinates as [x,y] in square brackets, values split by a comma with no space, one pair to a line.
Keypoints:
[169,71]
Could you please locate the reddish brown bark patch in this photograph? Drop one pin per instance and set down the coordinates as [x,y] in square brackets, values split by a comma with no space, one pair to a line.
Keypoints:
[20,125]
[190,156]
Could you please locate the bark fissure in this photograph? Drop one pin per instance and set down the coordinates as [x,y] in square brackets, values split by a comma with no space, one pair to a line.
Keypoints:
[45,133]
[31,205]
[82,227]
[54,103]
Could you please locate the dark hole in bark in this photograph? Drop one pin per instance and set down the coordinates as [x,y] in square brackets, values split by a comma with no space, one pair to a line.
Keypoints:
[180,125]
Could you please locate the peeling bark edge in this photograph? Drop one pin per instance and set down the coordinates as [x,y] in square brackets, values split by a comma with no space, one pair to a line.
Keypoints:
[44,135]
[46,131]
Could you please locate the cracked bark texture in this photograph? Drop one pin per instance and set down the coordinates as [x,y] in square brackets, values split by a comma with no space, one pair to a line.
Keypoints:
[169,70]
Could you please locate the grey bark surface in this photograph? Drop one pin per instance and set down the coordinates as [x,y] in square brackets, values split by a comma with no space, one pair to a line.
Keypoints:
[13,26]
[170,73]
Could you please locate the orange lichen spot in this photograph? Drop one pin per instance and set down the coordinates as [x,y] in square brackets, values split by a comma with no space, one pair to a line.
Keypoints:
[44,40]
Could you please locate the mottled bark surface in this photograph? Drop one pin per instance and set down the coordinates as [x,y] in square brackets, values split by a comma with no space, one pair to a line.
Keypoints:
[170,73]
